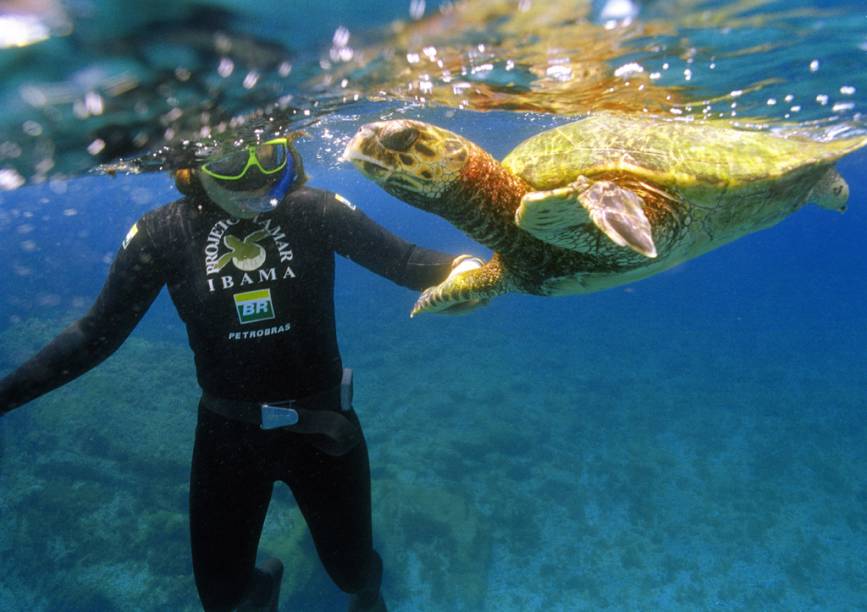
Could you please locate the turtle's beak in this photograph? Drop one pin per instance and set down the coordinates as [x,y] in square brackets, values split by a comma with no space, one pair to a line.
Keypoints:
[355,146]
[366,152]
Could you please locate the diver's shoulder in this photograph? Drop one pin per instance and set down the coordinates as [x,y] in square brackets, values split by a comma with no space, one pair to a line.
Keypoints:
[307,196]
[308,203]
[170,221]
[164,211]
[174,211]
[326,198]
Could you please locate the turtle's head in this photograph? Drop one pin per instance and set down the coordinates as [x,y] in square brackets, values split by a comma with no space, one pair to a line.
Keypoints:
[414,161]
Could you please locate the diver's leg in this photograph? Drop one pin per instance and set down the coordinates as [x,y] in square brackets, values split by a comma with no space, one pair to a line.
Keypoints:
[229,495]
[333,494]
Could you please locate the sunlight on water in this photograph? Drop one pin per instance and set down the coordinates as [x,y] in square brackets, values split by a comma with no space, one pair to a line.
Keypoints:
[203,74]
[738,59]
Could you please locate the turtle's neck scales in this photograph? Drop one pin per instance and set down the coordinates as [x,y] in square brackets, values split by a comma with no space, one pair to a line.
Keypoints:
[483,201]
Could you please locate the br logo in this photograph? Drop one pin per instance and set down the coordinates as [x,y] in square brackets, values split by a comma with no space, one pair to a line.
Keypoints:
[253,306]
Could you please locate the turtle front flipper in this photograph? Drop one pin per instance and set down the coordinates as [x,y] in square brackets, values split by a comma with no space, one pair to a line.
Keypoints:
[462,289]
[556,216]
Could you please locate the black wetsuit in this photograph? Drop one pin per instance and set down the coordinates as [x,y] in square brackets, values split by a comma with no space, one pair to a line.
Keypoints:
[256,297]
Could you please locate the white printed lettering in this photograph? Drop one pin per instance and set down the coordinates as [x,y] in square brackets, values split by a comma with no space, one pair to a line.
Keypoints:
[212,248]
[259,333]
[277,234]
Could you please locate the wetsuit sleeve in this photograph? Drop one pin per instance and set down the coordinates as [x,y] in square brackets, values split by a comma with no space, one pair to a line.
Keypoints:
[134,281]
[357,237]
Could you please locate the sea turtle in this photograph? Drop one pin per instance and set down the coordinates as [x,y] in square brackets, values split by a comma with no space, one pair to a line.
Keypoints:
[599,202]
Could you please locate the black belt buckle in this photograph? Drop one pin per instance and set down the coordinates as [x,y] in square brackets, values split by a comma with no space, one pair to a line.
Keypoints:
[274,416]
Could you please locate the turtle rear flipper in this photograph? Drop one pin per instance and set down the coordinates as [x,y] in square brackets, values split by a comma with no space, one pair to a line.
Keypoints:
[831,192]
[557,216]
[462,291]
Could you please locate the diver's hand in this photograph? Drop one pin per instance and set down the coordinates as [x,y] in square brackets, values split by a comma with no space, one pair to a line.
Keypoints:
[461,264]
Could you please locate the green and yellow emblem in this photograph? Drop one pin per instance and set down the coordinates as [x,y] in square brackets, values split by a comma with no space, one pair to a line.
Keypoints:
[254,306]
[246,254]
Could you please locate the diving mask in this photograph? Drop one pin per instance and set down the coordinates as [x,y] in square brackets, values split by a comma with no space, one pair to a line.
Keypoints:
[268,157]
[253,180]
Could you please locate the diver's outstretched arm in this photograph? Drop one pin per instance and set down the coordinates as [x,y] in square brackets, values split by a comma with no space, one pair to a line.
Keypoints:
[134,281]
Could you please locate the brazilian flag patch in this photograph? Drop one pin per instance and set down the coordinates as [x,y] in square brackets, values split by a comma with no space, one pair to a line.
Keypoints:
[253,306]
[130,235]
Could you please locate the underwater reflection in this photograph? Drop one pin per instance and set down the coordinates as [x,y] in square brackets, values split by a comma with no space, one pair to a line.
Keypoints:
[78,93]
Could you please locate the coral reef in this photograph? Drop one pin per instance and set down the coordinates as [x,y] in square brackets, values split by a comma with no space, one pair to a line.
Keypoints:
[506,475]
[437,543]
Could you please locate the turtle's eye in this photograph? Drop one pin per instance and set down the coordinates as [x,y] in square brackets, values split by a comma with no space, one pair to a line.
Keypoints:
[398,137]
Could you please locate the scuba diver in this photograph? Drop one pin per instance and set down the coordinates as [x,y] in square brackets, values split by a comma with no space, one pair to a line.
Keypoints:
[248,258]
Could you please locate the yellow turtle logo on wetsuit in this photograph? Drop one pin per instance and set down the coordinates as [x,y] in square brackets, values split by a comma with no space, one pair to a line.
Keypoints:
[246,254]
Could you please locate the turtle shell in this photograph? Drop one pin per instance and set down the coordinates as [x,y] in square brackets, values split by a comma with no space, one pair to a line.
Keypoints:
[674,154]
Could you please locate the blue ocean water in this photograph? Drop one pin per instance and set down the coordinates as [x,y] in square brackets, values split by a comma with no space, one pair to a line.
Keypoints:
[691,441]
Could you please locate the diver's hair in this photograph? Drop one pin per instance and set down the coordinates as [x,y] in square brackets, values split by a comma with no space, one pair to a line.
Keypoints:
[188,183]
[300,175]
